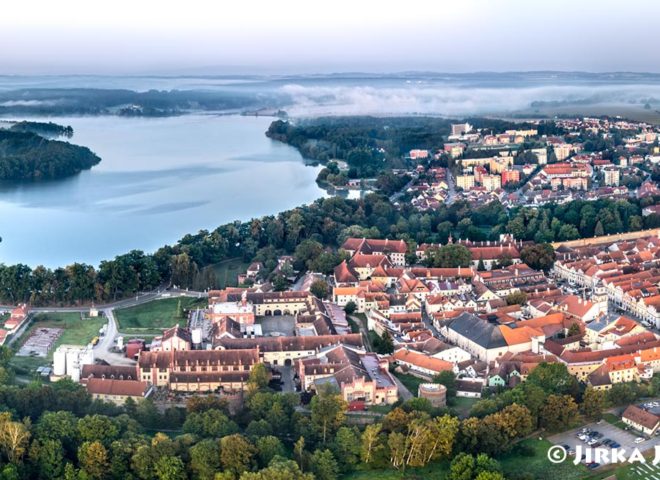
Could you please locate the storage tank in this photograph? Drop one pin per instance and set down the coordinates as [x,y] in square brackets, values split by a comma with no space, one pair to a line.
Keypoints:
[59,362]
[196,336]
[72,364]
[87,357]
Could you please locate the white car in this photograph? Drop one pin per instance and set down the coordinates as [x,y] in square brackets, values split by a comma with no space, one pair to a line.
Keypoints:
[639,440]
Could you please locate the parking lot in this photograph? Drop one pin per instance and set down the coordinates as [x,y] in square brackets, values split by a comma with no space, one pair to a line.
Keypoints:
[645,471]
[626,439]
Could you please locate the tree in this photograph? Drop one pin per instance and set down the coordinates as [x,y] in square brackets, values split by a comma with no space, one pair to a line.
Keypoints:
[558,412]
[14,438]
[299,452]
[97,428]
[269,447]
[320,289]
[279,469]
[371,442]
[461,467]
[48,457]
[236,453]
[599,231]
[553,378]
[328,412]
[539,256]
[211,423]
[346,448]
[593,403]
[448,379]
[449,256]
[574,329]
[324,466]
[93,459]
[350,307]
[179,309]
[259,377]
[516,298]
[205,459]
[170,468]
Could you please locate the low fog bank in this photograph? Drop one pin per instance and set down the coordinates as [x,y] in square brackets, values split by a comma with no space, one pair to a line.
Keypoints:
[310,100]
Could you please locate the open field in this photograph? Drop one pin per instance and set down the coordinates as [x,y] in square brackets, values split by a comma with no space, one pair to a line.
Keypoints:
[462,405]
[227,271]
[77,330]
[533,461]
[151,318]
[531,456]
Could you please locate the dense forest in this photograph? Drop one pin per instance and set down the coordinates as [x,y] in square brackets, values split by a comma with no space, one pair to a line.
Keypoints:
[370,145]
[57,431]
[45,129]
[25,155]
[91,101]
[312,233]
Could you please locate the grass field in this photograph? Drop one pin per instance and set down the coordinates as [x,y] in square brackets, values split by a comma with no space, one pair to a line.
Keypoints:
[538,464]
[614,420]
[78,330]
[535,462]
[462,405]
[153,317]
[227,271]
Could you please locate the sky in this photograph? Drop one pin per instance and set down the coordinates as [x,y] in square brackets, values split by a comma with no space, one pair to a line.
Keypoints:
[292,36]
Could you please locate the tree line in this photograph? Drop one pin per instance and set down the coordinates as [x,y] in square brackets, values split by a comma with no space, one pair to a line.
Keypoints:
[312,234]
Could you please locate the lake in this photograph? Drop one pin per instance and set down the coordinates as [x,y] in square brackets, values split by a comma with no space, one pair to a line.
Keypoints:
[159,179]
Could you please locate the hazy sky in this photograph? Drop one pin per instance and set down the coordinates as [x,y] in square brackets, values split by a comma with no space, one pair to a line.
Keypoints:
[291,36]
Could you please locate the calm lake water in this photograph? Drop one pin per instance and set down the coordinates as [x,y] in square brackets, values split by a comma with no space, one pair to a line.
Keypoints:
[158,180]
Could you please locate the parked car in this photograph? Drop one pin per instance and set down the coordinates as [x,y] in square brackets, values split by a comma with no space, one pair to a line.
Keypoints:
[615,445]
[639,439]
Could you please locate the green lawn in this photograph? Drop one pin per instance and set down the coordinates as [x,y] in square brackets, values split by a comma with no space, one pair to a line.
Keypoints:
[435,471]
[538,464]
[614,420]
[535,462]
[410,381]
[78,330]
[153,317]
[227,271]
[462,405]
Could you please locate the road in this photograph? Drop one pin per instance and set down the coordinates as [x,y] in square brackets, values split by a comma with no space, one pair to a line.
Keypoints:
[102,350]
[125,303]
[451,188]
[395,196]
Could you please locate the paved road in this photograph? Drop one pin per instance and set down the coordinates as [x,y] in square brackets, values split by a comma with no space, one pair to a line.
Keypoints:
[395,196]
[451,188]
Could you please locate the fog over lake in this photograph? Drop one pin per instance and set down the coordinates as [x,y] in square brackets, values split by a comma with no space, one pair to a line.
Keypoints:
[159,179]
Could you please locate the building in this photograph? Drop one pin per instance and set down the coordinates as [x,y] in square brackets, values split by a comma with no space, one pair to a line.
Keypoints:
[198,370]
[418,154]
[421,364]
[69,360]
[459,129]
[641,420]
[360,376]
[611,176]
[241,311]
[491,182]
[435,393]
[466,182]
[117,391]
[394,250]
[17,318]
[510,176]
[175,338]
